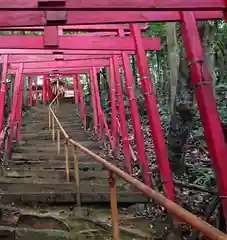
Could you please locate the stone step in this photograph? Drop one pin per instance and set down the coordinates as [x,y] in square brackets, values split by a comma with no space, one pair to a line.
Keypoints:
[53,164]
[48,155]
[53,183]
[47,132]
[45,118]
[15,185]
[55,174]
[29,185]
[51,147]
[19,233]
[47,135]
[38,124]
[37,174]
[59,197]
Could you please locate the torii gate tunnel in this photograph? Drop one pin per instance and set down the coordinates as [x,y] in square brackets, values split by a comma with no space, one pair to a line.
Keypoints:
[115,51]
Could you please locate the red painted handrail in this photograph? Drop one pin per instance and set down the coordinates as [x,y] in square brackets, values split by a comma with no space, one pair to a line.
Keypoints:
[205,228]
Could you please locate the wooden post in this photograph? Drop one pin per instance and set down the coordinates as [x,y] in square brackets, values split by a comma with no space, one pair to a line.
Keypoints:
[57,93]
[30,91]
[36,91]
[67,161]
[49,119]
[77,176]
[58,142]
[113,203]
[53,129]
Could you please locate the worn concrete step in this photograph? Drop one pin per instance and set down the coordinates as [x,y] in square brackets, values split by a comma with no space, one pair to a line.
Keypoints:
[54,183]
[53,164]
[70,197]
[39,125]
[48,136]
[19,233]
[35,119]
[55,174]
[65,118]
[51,147]
[33,185]
[35,156]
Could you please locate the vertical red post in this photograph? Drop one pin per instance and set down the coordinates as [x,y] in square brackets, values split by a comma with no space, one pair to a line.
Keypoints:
[36,91]
[202,82]
[141,155]
[3,91]
[113,106]
[153,114]
[50,90]
[75,88]
[19,109]
[82,106]
[98,103]
[44,89]
[94,104]
[121,109]
[30,91]
[14,105]
[47,88]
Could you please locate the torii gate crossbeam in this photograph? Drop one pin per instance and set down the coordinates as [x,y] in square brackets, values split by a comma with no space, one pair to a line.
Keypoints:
[76,42]
[110,5]
[30,18]
[43,58]
[10,51]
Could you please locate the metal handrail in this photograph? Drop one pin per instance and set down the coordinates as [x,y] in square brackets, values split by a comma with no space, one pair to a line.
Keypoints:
[196,222]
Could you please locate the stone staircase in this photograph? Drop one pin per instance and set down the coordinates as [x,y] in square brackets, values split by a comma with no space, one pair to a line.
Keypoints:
[36,174]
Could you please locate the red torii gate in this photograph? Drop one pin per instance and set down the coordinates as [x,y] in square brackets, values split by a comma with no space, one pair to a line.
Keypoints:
[123,47]
[93,63]
[201,79]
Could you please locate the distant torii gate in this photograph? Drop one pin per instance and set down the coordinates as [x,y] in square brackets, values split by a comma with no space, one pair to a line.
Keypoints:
[123,47]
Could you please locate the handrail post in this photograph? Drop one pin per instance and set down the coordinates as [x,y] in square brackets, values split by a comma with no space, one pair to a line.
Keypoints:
[57,103]
[58,141]
[58,90]
[53,129]
[67,160]
[113,203]
[77,176]
[49,119]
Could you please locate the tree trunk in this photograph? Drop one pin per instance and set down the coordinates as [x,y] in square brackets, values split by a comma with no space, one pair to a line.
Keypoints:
[209,30]
[181,118]
[173,58]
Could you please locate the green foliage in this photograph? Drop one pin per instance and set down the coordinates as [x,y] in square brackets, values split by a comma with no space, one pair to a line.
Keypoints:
[202,176]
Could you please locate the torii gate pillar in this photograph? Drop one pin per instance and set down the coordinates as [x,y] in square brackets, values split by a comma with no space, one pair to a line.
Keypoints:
[3,91]
[206,102]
